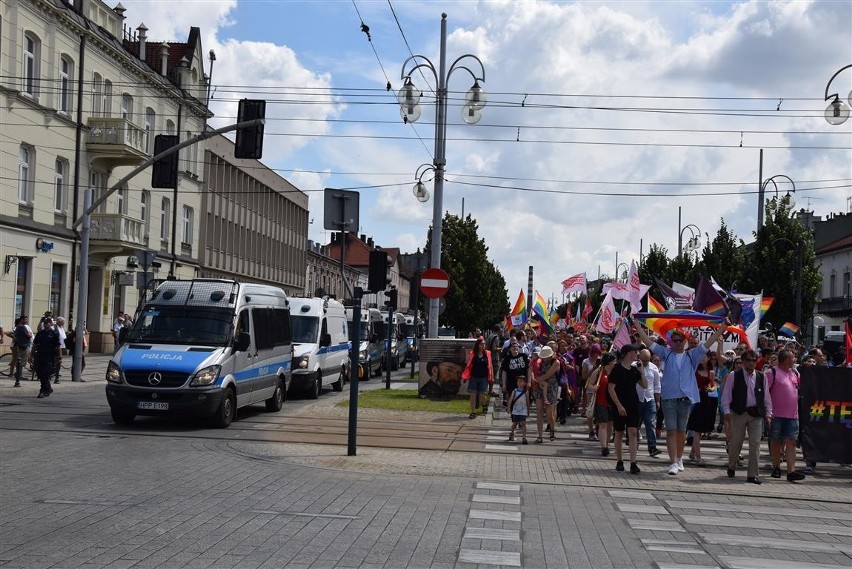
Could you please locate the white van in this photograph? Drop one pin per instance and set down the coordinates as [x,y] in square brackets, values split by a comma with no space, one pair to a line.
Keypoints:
[371,349]
[203,347]
[393,355]
[412,336]
[320,344]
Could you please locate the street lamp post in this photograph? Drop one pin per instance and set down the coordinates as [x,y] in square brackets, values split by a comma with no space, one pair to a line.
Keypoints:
[695,236]
[762,193]
[621,275]
[837,112]
[798,274]
[409,101]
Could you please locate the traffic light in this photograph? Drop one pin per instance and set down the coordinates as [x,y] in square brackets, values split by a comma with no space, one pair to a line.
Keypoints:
[249,142]
[390,301]
[165,170]
[377,276]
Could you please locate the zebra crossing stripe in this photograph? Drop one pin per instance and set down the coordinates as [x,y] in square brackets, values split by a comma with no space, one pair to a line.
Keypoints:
[655,525]
[642,509]
[683,566]
[767,524]
[497,486]
[750,563]
[775,543]
[489,499]
[492,533]
[479,557]
[494,515]
[790,511]
[631,494]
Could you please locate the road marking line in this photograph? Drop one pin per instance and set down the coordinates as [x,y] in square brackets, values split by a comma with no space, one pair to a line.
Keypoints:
[490,557]
[492,533]
[497,486]
[766,524]
[489,499]
[642,509]
[495,515]
[676,549]
[751,563]
[302,514]
[774,543]
[500,447]
[655,525]
[629,494]
[721,507]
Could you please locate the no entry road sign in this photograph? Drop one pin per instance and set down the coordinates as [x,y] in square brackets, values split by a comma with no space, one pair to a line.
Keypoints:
[434,283]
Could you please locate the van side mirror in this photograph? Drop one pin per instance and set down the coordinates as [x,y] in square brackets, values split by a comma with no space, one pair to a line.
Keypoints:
[325,340]
[242,342]
[374,338]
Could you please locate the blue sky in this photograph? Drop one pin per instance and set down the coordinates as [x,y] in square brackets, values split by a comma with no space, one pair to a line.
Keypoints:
[603,117]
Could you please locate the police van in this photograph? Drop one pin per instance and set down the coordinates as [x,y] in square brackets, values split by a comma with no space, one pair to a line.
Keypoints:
[320,344]
[371,349]
[393,356]
[204,348]
[412,335]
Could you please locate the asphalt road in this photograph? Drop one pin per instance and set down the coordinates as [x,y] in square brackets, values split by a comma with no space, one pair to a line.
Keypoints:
[278,490]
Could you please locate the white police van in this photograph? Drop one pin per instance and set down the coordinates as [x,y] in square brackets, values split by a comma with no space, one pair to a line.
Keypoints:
[412,335]
[203,347]
[393,356]
[371,349]
[320,344]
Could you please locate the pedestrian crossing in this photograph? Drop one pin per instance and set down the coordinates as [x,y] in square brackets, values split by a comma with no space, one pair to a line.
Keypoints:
[703,533]
[483,543]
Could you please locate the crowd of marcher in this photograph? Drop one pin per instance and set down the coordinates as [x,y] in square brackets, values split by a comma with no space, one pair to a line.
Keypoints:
[691,390]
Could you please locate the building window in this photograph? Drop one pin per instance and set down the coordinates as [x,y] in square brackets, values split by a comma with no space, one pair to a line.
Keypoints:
[127,107]
[22,299]
[186,235]
[97,181]
[164,220]
[832,283]
[143,209]
[97,94]
[66,71]
[106,100]
[170,127]
[30,71]
[847,284]
[26,174]
[122,201]
[57,284]
[150,119]
[60,185]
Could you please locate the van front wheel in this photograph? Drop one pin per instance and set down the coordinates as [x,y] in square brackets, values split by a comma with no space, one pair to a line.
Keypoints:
[338,385]
[227,410]
[316,388]
[274,403]
[122,417]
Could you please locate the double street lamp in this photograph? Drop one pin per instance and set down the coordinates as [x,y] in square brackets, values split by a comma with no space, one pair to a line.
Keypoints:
[409,101]
[837,112]
[762,193]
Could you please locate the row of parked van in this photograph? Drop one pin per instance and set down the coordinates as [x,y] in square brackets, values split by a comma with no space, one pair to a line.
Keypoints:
[207,347]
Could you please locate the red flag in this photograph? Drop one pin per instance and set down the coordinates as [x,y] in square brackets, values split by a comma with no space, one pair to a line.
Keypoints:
[587,310]
[848,344]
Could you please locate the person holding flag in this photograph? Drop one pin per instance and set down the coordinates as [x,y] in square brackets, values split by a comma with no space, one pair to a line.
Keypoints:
[679,390]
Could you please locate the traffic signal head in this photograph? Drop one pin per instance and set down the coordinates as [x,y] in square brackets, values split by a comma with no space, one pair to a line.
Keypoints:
[249,143]
[165,170]
[377,276]
[391,302]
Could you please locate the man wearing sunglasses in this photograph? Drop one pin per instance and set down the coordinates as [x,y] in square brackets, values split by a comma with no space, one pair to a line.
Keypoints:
[679,390]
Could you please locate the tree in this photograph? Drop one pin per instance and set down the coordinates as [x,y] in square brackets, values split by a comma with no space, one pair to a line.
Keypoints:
[655,264]
[772,263]
[723,259]
[477,296]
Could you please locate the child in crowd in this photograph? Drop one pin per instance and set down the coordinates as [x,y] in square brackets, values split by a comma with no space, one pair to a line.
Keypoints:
[519,408]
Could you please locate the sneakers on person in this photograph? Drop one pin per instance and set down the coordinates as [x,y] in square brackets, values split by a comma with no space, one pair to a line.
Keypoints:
[673,469]
[700,462]
[654,452]
[776,472]
[634,468]
[808,469]
[731,472]
[605,451]
[692,455]
[795,476]
[17,384]
[680,467]
[619,466]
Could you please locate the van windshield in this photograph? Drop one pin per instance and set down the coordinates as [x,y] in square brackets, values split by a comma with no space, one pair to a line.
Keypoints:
[363,333]
[407,330]
[305,329]
[183,325]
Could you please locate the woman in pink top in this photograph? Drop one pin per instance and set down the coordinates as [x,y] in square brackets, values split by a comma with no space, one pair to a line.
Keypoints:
[782,384]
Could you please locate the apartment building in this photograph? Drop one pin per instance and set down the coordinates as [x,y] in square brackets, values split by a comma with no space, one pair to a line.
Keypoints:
[83,98]
[323,274]
[254,225]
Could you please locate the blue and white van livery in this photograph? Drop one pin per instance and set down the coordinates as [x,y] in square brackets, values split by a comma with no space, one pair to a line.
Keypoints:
[412,336]
[393,356]
[203,347]
[320,344]
[371,349]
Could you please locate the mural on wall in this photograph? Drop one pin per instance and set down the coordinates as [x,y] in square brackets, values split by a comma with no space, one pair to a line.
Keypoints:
[442,361]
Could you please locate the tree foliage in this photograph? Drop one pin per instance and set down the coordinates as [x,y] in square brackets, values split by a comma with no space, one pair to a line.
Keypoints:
[477,297]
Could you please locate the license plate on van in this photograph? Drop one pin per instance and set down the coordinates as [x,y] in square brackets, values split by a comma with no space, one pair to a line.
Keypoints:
[152,405]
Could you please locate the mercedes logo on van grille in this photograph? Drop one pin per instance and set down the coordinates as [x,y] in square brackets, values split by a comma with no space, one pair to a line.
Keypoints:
[155,378]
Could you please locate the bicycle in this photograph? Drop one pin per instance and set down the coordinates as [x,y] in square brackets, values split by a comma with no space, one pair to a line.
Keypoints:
[7,370]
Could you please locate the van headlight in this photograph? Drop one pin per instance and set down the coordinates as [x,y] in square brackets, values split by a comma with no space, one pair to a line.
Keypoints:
[362,355]
[303,362]
[205,376]
[113,372]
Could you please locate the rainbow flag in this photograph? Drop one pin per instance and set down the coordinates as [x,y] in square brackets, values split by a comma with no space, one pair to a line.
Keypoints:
[654,307]
[540,308]
[518,316]
[765,304]
[668,320]
[789,329]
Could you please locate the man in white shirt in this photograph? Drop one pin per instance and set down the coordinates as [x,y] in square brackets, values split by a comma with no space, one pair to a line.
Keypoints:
[649,399]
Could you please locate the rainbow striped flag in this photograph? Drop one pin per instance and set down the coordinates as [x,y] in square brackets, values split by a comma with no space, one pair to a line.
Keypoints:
[518,316]
[540,308]
[765,303]
[789,329]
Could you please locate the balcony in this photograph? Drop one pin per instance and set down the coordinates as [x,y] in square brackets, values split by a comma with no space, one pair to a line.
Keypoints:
[835,306]
[114,141]
[116,234]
